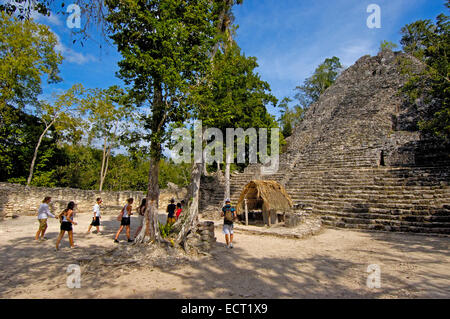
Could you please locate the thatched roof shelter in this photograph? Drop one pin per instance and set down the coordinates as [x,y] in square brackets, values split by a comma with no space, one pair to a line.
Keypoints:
[264,195]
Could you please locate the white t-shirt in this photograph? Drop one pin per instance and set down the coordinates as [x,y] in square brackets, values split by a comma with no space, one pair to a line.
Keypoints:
[125,211]
[44,211]
[97,210]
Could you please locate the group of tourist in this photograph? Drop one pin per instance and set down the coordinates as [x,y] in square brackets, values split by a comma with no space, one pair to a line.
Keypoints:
[125,219]
[174,212]
[67,215]
[65,218]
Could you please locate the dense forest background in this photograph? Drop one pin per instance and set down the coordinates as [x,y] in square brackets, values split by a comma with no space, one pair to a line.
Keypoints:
[96,138]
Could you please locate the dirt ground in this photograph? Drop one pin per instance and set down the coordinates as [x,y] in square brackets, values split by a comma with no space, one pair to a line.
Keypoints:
[332,264]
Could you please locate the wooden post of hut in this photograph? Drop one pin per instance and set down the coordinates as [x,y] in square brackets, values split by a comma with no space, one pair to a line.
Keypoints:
[266,213]
[246,212]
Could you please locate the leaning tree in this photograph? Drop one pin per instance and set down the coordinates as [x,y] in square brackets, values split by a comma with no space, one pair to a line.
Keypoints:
[166,48]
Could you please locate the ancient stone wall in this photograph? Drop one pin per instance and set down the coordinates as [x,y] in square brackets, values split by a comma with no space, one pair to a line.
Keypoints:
[19,200]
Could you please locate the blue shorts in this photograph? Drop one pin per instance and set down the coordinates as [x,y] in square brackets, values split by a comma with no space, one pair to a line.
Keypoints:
[227,229]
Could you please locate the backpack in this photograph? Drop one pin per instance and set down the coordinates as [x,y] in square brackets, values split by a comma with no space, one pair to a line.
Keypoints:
[228,215]
[61,215]
[119,217]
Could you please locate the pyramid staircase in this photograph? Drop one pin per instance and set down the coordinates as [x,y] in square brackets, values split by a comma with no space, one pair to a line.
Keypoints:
[351,190]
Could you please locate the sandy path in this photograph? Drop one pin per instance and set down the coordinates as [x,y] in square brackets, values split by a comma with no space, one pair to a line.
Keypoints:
[330,265]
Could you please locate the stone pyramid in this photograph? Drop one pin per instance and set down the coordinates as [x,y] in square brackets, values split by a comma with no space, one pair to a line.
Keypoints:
[358,159]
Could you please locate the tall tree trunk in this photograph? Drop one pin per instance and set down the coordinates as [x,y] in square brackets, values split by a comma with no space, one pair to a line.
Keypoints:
[190,221]
[102,178]
[33,161]
[153,178]
[106,156]
[153,198]
[223,23]
[205,170]
[151,228]
[204,166]
[227,181]
[218,168]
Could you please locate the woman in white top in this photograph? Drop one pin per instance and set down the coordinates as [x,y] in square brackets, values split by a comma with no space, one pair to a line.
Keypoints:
[96,218]
[43,214]
[125,218]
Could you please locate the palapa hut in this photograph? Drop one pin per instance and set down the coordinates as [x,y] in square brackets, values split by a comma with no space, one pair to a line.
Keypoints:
[265,196]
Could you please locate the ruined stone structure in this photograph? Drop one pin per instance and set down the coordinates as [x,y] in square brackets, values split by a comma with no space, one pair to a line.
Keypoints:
[358,159]
[17,200]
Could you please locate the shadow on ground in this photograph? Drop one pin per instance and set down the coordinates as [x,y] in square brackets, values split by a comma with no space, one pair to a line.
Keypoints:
[233,273]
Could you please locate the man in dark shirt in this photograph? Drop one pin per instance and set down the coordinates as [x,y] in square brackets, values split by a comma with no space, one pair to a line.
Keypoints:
[229,214]
[171,212]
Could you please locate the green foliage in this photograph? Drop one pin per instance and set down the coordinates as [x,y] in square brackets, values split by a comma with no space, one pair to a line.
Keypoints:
[313,87]
[105,110]
[430,43]
[108,116]
[164,45]
[24,8]
[179,174]
[165,229]
[323,77]
[17,143]
[387,45]
[79,167]
[27,53]
[290,117]
[233,95]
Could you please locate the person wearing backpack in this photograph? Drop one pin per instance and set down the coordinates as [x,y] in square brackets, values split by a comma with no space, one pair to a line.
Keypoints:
[229,214]
[171,208]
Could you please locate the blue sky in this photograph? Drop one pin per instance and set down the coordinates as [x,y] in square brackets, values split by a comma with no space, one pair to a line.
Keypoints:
[288,37]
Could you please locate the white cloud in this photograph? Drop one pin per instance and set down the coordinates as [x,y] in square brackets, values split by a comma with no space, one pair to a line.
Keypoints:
[71,55]
[349,53]
[52,19]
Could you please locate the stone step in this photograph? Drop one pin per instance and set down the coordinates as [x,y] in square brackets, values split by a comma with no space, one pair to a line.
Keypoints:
[414,220]
[389,205]
[379,227]
[363,193]
[369,200]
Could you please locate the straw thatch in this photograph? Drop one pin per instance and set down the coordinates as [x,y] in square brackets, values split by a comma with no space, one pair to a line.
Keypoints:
[270,194]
